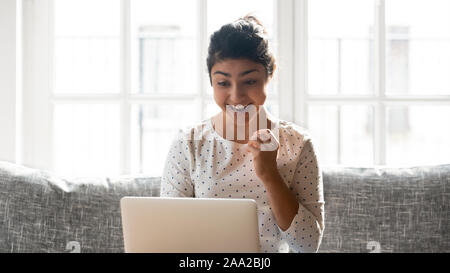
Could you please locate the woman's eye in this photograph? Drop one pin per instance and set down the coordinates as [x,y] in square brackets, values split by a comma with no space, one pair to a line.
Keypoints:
[222,83]
[250,82]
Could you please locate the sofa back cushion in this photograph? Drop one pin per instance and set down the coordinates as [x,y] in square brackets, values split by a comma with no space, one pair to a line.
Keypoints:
[381,209]
[386,209]
[40,212]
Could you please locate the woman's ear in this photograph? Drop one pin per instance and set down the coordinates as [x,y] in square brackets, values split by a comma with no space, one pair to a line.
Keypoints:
[273,71]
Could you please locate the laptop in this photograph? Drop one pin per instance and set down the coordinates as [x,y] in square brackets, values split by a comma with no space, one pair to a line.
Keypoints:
[189,225]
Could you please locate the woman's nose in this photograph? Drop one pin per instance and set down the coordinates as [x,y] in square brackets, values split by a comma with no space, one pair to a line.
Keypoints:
[238,95]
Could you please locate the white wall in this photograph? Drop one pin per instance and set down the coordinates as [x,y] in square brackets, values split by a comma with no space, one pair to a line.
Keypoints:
[8,80]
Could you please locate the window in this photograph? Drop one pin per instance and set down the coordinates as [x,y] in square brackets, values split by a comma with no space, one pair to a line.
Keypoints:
[341,63]
[104,95]
[378,86]
[87,87]
[123,79]
[418,66]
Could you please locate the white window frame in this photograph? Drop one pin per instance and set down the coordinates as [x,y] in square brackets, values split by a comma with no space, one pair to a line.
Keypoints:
[39,98]
[291,32]
[380,100]
[9,79]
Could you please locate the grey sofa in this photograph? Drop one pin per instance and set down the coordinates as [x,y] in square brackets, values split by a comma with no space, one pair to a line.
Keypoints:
[367,210]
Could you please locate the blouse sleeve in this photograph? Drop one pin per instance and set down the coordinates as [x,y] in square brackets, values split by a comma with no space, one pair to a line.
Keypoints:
[176,178]
[306,229]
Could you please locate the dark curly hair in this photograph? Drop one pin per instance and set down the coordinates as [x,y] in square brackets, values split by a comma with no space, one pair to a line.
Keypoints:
[245,38]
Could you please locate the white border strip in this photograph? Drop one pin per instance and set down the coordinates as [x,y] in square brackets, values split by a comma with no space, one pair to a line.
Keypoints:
[125,88]
[380,110]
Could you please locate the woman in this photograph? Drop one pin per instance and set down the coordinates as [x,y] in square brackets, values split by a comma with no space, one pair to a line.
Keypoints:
[223,156]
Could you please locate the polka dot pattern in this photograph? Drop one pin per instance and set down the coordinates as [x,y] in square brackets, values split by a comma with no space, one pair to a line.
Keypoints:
[213,167]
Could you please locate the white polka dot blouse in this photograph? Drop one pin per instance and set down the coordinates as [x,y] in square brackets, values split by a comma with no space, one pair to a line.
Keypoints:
[210,166]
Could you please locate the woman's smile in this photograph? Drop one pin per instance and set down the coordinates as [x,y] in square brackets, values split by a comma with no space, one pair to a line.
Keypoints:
[241,108]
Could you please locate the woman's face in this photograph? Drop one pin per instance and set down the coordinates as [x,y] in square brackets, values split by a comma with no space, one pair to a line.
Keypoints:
[239,81]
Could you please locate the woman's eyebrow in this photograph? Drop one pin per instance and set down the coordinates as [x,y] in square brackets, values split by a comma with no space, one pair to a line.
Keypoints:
[240,75]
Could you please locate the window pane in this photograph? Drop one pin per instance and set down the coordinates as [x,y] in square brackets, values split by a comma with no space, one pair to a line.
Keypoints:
[323,63]
[164,46]
[417,47]
[357,135]
[221,13]
[418,135]
[153,128]
[273,108]
[340,47]
[323,127]
[86,139]
[212,109]
[354,124]
[87,46]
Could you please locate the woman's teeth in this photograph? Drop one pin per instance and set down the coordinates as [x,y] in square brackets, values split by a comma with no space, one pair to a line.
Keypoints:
[238,108]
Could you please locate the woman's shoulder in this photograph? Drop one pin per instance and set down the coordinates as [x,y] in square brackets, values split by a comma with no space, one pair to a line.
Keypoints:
[293,132]
[195,131]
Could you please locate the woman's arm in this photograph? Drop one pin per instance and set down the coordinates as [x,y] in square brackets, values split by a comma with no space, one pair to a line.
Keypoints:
[176,178]
[307,227]
[298,207]
[282,200]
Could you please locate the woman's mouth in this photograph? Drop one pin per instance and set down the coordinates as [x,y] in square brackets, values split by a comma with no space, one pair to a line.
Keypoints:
[239,107]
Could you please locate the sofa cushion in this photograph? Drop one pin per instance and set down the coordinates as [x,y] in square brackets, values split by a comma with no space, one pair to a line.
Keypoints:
[386,209]
[41,212]
[395,209]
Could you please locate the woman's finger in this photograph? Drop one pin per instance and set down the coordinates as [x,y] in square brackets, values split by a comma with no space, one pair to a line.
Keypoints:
[261,136]
[264,135]
[271,144]
[254,143]
[254,136]
[252,149]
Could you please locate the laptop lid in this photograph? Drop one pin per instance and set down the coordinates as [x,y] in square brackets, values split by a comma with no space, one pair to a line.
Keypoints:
[189,225]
